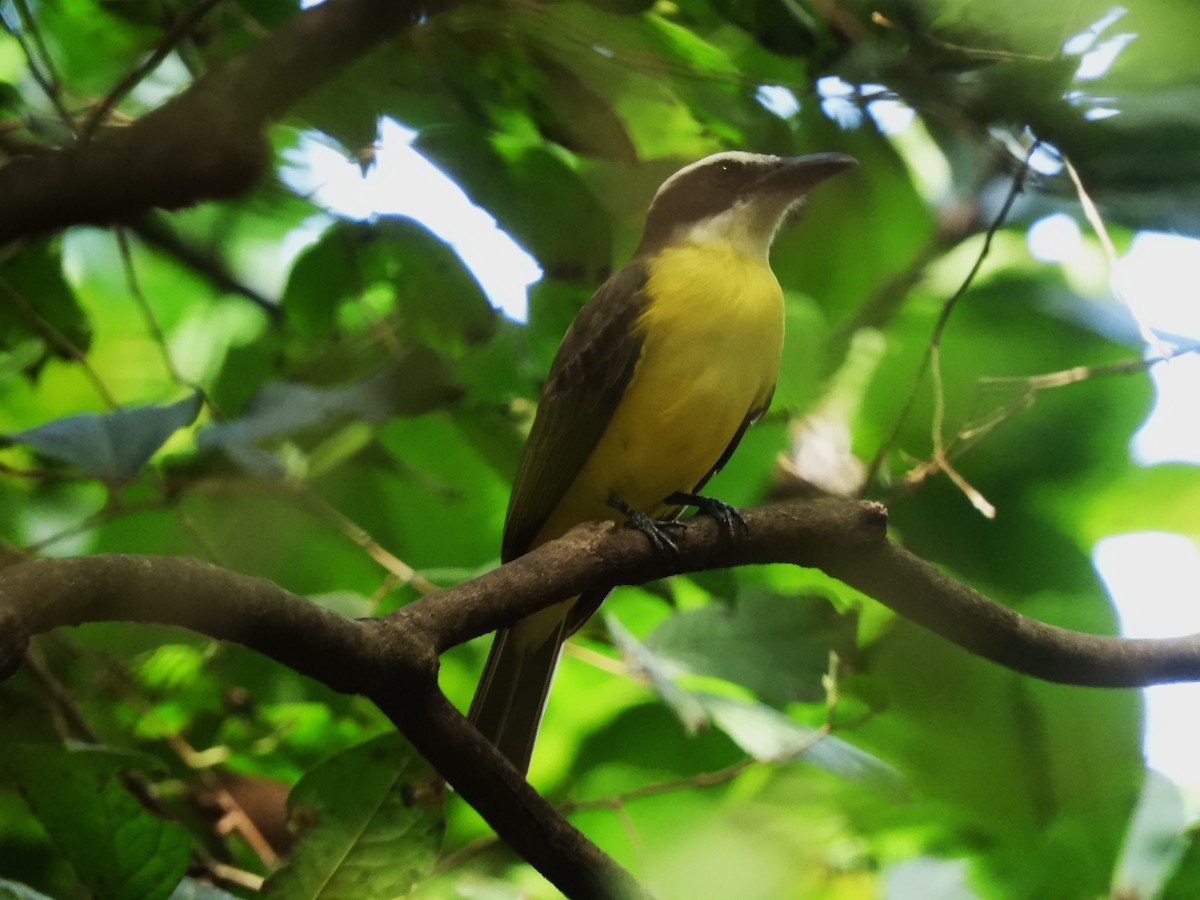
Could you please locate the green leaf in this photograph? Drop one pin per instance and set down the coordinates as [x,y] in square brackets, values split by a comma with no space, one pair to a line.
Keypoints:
[36,302]
[11,890]
[113,446]
[995,764]
[421,381]
[661,673]
[393,269]
[763,732]
[92,49]
[1156,843]
[119,849]
[370,823]
[769,735]
[1184,882]
[22,357]
[778,647]
[1154,498]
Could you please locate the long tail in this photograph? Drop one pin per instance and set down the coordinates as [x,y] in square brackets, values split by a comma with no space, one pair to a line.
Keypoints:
[512,691]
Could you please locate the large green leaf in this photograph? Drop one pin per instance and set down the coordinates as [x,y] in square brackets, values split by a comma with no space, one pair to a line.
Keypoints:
[1155,498]
[762,732]
[118,848]
[394,270]
[1009,768]
[776,646]
[370,825]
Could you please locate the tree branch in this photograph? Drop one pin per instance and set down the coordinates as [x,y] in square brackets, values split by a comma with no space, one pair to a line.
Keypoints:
[393,665]
[845,539]
[205,144]
[43,594]
[393,661]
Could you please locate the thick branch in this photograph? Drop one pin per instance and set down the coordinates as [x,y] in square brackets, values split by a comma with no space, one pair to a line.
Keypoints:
[44,594]
[396,667]
[521,817]
[394,661]
[845,539]
[205,144]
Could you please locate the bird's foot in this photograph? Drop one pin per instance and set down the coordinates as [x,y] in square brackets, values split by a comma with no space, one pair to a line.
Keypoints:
[655,530]
[728,518]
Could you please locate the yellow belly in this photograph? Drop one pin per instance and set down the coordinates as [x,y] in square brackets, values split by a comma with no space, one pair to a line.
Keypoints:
[713,334]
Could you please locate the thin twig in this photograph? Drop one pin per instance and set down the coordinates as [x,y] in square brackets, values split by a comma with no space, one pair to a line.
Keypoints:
[158,235]
[406,574]
[56,339]
[48,79]
[135,75]
[940,459]
[135,289]
[944,317]
[1092,214]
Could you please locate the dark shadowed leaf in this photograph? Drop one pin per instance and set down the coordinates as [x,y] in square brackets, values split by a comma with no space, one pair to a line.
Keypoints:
[37,303]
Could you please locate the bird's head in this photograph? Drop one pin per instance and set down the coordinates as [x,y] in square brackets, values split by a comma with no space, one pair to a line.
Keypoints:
[734,198]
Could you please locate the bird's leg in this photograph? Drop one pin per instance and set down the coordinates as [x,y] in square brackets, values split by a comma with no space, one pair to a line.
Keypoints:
[727,516]
[655,530]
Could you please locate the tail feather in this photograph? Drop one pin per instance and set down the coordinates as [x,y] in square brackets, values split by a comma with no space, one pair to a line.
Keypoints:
[512,691]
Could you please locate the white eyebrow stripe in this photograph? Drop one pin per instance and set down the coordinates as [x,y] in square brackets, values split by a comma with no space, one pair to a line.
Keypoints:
[738,156]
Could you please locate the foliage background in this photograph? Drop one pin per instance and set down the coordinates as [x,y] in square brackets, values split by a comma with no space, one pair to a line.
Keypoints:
[363,408]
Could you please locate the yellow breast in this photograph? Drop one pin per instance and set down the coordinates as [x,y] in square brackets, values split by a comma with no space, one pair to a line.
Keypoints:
[712,337]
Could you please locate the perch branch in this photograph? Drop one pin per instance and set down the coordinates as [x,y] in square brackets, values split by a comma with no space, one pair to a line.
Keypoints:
[393,661]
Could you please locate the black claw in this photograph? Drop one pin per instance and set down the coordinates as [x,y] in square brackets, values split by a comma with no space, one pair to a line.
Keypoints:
[728,518]
[655,530]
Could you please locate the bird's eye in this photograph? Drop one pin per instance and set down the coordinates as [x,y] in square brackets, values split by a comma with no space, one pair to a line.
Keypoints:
[724,173]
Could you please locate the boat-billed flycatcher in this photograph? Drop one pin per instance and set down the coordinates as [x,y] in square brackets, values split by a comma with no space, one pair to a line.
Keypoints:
[650,392]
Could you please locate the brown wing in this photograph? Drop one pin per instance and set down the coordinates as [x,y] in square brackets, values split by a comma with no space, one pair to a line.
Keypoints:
[589,375]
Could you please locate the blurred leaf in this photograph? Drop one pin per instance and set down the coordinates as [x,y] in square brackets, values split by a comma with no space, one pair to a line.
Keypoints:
[370,824]
[119,849]
[1184,882]
[189,889]
[21,358]
[91,48]
[1152,498]
[395,270]
[661,674]
[419,383]
[764,733]
[1155,844]
[10,890]
[776,646]
[769,735]
[1041,794]
[110,446]
[37,303]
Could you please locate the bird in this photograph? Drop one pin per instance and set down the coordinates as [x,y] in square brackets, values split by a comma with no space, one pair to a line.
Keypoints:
[649,393]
